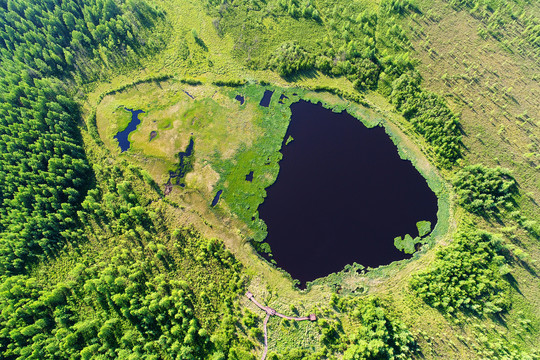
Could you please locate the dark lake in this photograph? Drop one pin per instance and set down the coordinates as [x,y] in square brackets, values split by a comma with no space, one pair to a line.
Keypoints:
[122,136]
[342,195]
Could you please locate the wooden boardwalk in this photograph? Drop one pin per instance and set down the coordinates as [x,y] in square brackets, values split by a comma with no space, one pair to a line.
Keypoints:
[271,312]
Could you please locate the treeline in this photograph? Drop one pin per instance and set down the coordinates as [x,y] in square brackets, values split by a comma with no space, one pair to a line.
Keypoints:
[375,55]
[43,170]
[467,276]
[483,191]
[370,48]
[429,115]
[148,79]
[55,38]
[133,297]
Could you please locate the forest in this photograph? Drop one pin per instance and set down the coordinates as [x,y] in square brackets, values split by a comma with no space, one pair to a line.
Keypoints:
[126,307]
[96,262]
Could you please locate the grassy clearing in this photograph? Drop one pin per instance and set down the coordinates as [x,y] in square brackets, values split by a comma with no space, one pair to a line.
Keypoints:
[218,124]
[497,93]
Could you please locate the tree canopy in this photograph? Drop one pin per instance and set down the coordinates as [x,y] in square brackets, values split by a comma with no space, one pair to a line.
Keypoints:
[483,191]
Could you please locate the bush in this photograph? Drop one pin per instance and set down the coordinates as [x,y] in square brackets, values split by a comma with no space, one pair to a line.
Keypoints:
[466,276]
[290,58]
[482,190]
[378,336]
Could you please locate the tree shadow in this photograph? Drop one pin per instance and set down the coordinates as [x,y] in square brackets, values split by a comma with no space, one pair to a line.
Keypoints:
[499,318]
[527,267]
[201,43]
[513,282]
[491,218]
[302,75]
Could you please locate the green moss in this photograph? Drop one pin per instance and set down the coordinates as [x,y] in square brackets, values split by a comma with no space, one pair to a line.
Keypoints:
[407,244]
[424,227]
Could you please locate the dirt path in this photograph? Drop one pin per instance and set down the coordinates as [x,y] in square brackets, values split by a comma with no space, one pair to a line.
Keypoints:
[271,312]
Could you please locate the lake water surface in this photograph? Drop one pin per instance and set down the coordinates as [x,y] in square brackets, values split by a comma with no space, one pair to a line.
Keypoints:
[122,136]
[265,101]
[342,195]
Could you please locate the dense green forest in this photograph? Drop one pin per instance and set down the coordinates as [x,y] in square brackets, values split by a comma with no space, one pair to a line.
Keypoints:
[44,169]
[467,276]
[96,262]
[126,306]
[484,191]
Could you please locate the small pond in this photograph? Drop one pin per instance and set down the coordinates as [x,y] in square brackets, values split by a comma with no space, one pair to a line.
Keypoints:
[239,98]
[216,198]
[180,170]
[265,101]
[342,195]
[122,136]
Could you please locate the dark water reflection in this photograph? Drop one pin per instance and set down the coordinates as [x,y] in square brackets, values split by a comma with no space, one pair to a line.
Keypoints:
[342,195]
[122,136]
[240,98]
[216,198]
[265,101]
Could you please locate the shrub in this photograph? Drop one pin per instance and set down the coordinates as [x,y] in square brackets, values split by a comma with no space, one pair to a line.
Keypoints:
[465,276]
[482,190]
[290,58]
[378,336]
[230,83]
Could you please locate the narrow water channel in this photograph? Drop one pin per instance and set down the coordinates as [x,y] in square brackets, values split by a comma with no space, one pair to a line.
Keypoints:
[122,136]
